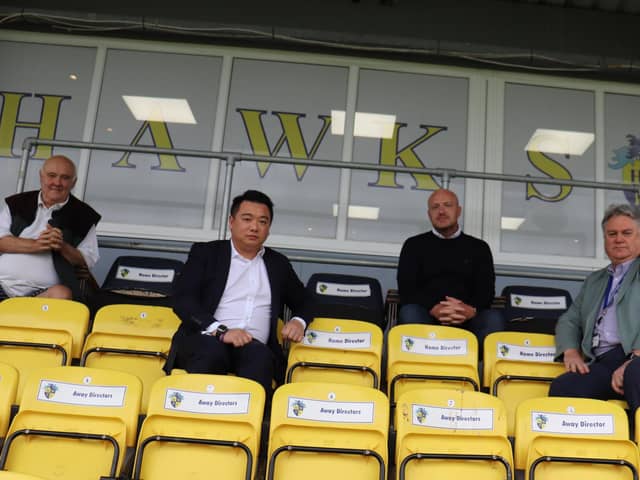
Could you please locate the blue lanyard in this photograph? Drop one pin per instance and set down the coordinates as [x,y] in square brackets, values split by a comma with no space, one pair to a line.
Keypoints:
[607,301]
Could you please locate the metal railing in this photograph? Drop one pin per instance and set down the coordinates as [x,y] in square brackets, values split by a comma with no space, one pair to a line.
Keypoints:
[231,159]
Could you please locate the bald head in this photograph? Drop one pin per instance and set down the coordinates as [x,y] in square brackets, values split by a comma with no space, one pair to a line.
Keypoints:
[57,178]
[444,211]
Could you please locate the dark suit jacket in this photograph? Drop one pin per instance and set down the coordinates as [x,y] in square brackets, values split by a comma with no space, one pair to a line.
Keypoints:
[200,286]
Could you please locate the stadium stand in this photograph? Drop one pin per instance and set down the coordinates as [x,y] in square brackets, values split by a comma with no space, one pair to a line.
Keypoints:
[36,332]
[445,433]
[337,351]
[74,423]
[321,431]
[200,424]
[131,338]
[351,297]
[559,437]
[534,309]
[518,366]
[431,356]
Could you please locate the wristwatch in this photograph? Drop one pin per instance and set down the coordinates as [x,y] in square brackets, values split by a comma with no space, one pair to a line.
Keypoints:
[633,355]
[220,331]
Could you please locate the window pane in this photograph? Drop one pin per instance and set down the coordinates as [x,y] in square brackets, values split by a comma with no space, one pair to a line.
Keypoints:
[44,91]
[284,109]
[554,220]
[429,130]
[150,189]
[622,146]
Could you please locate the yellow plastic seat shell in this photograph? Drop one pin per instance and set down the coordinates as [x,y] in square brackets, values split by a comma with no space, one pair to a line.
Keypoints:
[131,338]
[321,431]
[580,437]
[197,424]
[337,351]
[77,422]
[431,356]
[445,433]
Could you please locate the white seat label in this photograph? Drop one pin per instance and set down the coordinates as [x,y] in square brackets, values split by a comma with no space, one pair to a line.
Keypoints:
[526,354]
[343,289]
[572,423]
[452,418]
[208,403]
[427,346]
[345,341]
[136,274]
[538,303]
[81,394]
[334,412]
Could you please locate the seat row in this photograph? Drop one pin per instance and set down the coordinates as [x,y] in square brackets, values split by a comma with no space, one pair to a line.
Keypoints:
[81,422]
[36,332]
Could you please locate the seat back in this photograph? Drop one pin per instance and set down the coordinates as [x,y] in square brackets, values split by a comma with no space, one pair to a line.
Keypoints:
[431,356]
[337,351]
[346,296]
[76,421]
[142,276]
[37,332]
[518,366]
[445,433]
[6,475]
[577,437]
[534,309]
[320,431]
[198,424]
[131,338]
[8,390]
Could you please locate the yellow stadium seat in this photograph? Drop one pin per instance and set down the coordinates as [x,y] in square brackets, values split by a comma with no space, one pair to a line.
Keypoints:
[73,423]
[199,424]
[451,434]
[131,338]
[324,431]
[337,351]
[6,475]
[586,439]
[517,366]
[431,356]
[40,332]
[8,389]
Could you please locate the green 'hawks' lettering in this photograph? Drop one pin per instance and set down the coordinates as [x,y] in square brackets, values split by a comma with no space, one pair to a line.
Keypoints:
[390,154]
[161,139]
[552,168]
[46,127]
[291,135]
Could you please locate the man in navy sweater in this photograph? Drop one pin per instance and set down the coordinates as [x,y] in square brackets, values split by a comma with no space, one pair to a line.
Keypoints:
[446,276]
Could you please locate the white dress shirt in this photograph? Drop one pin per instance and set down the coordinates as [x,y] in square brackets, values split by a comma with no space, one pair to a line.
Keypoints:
[23,273]
[246,301]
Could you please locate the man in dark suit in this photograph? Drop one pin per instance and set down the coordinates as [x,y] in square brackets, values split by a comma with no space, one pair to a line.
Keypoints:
[229,296]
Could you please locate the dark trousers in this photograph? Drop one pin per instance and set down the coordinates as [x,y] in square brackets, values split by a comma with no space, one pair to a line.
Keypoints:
[206,354]
[597,383]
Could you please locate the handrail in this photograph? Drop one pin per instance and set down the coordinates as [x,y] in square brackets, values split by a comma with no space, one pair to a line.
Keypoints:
[231,158]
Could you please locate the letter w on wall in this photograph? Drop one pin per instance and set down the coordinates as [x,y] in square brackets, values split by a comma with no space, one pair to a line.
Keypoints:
[291,136]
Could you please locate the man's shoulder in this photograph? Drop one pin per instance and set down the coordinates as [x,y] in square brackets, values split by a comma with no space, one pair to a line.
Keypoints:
[474,240]
[22,196]
[420,237]
[212,246]
[275,255]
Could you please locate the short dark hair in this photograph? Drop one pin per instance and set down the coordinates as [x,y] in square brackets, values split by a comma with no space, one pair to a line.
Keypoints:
[252,196]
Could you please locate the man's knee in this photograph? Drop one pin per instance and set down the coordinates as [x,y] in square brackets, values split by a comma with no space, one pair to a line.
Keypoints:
[57,291]
[414,313]
[563,385]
